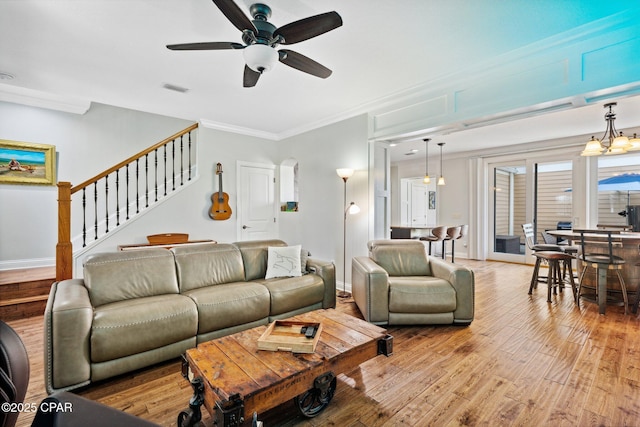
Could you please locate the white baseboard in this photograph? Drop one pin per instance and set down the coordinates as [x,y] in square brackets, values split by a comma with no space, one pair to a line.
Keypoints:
[27,263]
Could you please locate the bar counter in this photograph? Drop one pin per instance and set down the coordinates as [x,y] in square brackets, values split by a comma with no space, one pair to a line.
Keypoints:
[629,251]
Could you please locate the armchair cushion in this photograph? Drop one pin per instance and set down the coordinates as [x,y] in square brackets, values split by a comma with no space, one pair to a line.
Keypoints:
[410,261]
[420,294]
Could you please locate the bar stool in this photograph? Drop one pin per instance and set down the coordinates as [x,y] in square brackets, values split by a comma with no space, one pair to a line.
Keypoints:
[452,234]
[602,262]
[530,240]
[555,278]
[571,250]
[437,234]
[464,229]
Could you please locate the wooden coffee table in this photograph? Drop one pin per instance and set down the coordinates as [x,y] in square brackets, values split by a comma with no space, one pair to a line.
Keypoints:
[236,381]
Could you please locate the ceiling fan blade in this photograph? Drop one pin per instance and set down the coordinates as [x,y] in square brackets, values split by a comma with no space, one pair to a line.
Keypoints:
[307,28]
[250,77]
[206,46]
[302,63]
[234,14]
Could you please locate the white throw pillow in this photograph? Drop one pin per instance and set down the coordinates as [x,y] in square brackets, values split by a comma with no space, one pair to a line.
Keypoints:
[283,261]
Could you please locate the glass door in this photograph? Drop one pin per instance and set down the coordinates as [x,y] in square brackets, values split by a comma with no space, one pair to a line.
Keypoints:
[526,191]
[553,203]
[508,209]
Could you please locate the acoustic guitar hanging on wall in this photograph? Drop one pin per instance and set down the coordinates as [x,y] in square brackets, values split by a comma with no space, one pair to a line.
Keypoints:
[220,210]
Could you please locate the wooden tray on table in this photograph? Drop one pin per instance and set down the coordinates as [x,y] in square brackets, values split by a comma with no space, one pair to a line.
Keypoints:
[290,335]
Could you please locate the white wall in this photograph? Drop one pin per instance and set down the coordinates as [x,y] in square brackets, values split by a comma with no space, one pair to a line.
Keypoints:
[188,210]
[89,143]
[318,225]
[453,203]
[85,144]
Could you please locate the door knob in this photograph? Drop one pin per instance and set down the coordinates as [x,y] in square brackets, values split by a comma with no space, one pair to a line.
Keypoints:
[244,227]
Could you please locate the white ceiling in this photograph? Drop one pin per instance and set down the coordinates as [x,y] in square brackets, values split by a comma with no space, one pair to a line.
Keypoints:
[113,52]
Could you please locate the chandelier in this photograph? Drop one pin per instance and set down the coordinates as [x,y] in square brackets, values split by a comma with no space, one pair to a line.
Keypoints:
[612,142]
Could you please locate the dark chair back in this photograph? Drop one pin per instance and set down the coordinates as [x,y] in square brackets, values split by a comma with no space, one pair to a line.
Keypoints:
[592,239]
[14,372]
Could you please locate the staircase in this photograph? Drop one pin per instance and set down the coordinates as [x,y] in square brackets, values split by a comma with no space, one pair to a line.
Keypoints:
[118,195]
[102,204]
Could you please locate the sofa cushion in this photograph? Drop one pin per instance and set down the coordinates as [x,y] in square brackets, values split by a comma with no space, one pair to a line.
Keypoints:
[291,293]
[283,261]
[207,264]
[254,255]
[229,305]
[128,327]
[121,276]
[420,294]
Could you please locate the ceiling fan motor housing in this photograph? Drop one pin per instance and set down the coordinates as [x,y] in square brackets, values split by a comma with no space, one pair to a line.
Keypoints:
[264,36]
[260,11]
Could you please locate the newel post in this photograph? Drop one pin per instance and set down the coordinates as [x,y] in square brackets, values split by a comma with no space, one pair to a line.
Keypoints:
[64,250]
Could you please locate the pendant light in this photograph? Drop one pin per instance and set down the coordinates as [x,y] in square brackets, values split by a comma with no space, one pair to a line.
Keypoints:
[427,178]
[441,179]
[617,142]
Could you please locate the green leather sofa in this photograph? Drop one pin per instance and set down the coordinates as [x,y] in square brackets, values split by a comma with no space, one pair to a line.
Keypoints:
[133,309]
[399,284]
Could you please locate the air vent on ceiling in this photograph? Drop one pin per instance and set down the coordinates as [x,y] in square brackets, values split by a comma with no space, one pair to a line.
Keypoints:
[175,88]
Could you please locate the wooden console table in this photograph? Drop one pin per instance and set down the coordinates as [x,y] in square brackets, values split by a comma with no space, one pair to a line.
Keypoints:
[138,246]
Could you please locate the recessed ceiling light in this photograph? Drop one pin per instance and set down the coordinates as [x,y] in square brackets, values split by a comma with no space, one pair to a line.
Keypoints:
[6,76]
[175,88]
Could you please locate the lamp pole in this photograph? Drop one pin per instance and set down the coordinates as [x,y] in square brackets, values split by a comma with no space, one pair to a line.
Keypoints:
[344,173]
[343,293]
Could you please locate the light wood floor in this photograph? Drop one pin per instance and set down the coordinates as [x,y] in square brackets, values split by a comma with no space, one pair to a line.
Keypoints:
[521,362]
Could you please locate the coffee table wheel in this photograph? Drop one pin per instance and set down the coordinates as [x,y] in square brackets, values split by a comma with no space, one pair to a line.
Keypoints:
[313,401]
[192,416]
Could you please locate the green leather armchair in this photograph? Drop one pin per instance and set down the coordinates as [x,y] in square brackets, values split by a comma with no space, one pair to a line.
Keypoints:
[399,284]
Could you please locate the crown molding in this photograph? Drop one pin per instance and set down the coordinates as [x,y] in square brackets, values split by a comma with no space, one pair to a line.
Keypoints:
[36,98]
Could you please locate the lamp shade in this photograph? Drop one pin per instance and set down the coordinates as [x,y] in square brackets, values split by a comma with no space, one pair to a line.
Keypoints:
[344,173]
[634,143]
[620,142]
[260,57]
[593,148]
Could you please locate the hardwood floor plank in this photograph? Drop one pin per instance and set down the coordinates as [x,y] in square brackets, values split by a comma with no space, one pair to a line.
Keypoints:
[522,362]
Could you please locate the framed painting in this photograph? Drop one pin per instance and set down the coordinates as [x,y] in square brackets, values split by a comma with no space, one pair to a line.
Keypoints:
[27,163]
[432,199]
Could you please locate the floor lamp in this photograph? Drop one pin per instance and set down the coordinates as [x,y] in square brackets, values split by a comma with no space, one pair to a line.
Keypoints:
[345,174]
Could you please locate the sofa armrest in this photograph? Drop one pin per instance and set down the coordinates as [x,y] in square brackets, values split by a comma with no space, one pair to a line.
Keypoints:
[370,289]
[327,271]
[67,330]
[463,281]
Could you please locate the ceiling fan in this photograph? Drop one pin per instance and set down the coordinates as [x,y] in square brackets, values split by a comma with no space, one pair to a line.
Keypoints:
[261,38]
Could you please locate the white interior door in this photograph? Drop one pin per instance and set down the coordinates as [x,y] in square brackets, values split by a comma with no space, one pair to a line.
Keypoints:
[419,202]
[256,202]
